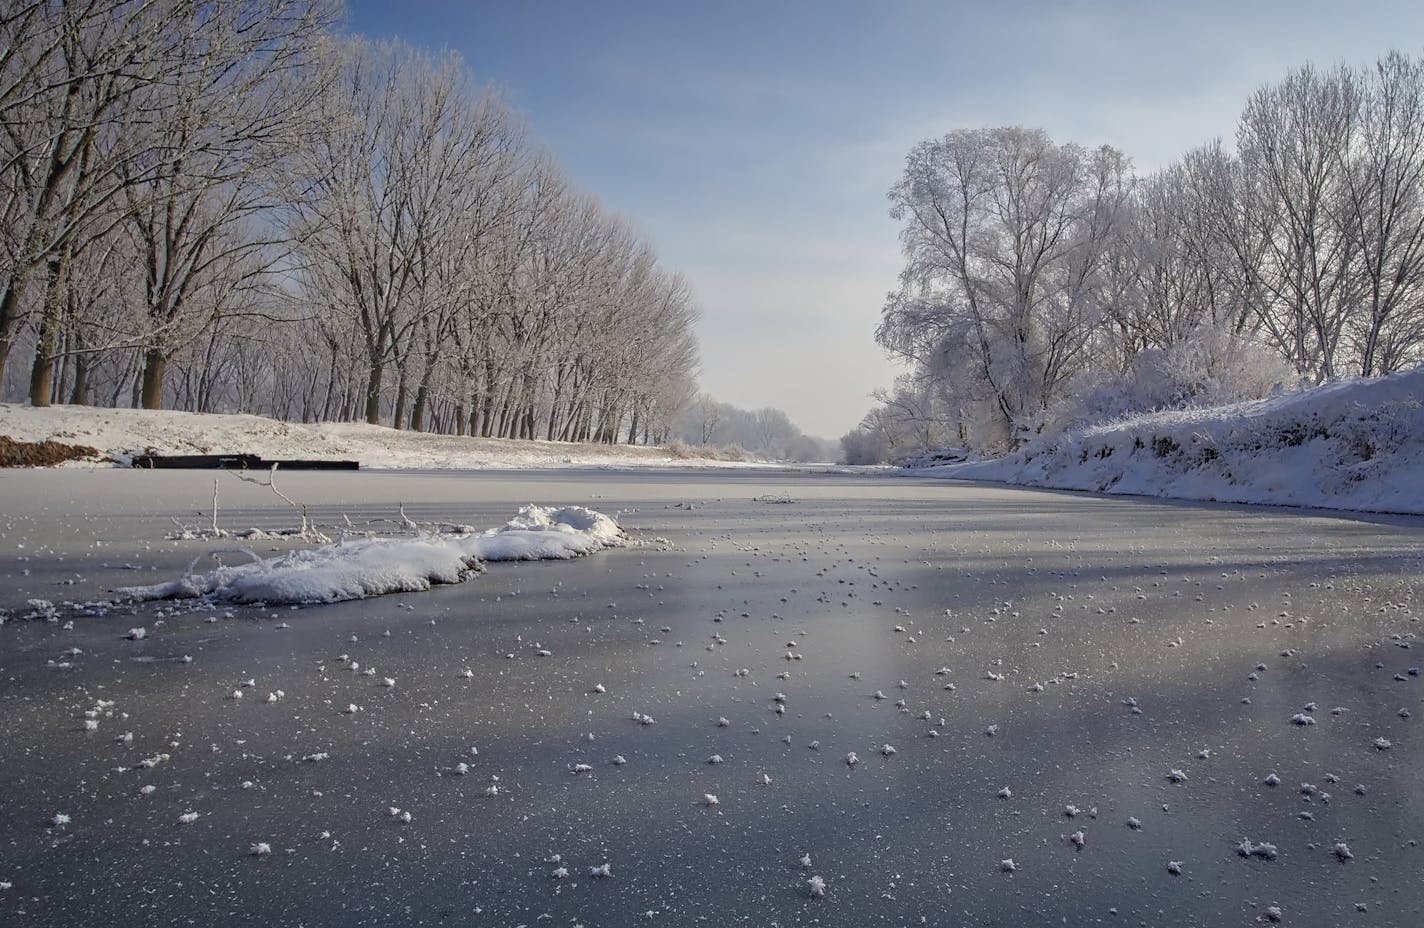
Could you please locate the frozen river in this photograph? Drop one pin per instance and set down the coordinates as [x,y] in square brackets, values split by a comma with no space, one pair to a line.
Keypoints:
[1053,702]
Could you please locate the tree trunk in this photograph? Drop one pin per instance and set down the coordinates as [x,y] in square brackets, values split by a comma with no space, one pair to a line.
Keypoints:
[47,341]
[79,393]
[373,394]
[155,365]
[417,413]
[10,316]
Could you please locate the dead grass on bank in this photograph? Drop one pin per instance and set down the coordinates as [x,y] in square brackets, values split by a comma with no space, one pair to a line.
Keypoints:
[42,453]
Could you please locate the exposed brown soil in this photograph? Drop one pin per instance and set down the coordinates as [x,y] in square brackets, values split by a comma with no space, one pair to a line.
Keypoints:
[41,454]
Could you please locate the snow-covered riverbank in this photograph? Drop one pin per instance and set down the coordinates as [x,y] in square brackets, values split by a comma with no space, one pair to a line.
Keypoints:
[122,433]
[1356,444]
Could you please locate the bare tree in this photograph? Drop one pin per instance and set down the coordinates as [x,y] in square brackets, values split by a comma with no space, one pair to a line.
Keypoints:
[1294,138]
[1005,233]
[1383,210]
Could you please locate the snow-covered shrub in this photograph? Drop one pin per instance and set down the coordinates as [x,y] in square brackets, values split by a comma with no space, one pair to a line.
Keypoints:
[1210,367]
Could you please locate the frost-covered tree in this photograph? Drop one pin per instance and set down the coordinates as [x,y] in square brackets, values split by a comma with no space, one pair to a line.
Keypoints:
[1005,238]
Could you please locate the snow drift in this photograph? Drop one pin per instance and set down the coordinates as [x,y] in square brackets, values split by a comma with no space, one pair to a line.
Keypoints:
[1356,444]
[374,566]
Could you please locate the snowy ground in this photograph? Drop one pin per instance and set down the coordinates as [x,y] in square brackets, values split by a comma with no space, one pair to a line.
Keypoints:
[1350,445]
[1052,701]
[122,433]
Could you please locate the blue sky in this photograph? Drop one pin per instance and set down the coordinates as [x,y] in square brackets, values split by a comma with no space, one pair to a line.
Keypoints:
[753,143]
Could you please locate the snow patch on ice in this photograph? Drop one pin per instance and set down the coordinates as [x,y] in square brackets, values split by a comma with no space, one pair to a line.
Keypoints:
[375,566]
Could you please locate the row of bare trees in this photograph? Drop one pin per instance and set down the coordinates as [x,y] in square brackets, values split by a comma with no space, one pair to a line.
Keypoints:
[1046,284]
[220,205]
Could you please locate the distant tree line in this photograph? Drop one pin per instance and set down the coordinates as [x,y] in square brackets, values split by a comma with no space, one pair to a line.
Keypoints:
[766,433]
[230,207]
[1047,285]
